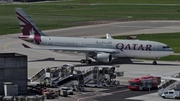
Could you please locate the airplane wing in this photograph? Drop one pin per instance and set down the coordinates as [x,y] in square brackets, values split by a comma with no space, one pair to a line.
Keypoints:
[80,49]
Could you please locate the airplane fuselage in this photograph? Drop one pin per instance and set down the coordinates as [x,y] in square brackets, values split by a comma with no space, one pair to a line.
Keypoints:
[126,48]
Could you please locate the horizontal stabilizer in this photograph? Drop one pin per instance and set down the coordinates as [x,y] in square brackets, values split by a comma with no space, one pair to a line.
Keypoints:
[25,46]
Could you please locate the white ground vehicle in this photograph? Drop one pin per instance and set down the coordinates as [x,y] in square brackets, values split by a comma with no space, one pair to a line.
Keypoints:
[69,91]
[171,94]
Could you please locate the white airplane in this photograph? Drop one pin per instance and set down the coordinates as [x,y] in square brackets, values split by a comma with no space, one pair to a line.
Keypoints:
[101,50]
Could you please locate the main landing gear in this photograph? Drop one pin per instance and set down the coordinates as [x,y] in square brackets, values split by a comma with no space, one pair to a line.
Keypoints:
[87,60]
[155,62]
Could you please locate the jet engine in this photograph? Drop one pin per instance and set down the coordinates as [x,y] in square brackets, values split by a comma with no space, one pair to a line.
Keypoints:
[103,57]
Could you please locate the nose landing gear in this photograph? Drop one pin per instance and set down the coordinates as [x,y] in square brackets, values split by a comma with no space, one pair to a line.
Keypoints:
[155,62]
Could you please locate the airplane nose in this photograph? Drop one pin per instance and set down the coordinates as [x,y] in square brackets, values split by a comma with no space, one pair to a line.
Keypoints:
[171,51]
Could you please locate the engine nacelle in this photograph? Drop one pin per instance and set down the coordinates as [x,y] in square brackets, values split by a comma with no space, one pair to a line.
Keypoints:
[103,57]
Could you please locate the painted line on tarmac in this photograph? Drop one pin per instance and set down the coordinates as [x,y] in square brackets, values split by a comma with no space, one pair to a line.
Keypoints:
[176,54]
[5,46]
[103,94]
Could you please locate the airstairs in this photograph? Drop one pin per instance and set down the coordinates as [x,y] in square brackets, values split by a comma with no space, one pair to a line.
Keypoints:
[66,81]
[66,76]
[101,76]
[40,75]
[54,75]
[88,75]
[169,84]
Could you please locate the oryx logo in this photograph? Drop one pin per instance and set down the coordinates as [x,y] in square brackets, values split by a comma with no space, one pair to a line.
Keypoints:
[28,29]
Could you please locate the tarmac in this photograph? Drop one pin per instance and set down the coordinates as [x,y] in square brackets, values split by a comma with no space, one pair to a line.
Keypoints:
[38,59]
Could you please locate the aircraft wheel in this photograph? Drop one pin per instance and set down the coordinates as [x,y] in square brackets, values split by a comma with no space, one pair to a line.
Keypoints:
[89,61]
[154,63]
[176,97]
[83,61]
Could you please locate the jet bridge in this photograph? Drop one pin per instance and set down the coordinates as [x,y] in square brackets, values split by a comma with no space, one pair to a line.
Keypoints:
[169,84]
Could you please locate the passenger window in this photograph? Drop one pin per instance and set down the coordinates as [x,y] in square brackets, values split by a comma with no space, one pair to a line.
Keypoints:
[165,92]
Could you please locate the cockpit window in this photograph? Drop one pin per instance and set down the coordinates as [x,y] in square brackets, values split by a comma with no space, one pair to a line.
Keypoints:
[166,47]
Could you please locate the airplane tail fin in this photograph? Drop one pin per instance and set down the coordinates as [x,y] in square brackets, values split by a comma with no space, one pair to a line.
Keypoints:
[29,30]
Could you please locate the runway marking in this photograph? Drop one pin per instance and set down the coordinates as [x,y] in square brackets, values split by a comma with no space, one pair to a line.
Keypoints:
[147,97]
[5,46]
[103,94]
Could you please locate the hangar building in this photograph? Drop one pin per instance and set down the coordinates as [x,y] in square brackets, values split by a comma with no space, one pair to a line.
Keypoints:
[13,68]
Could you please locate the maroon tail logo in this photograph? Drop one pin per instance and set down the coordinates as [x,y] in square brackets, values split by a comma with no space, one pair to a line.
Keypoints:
[28,29]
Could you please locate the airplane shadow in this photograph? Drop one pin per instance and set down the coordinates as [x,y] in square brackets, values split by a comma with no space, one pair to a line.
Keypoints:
[77,62]
[52,59]
[116,61]
[158,64]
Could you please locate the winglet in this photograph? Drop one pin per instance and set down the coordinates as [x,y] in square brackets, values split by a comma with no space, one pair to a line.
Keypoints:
[108,36]
[25,46]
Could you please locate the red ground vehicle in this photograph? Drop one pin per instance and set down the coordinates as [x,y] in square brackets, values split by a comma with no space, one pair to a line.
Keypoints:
[144,83]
